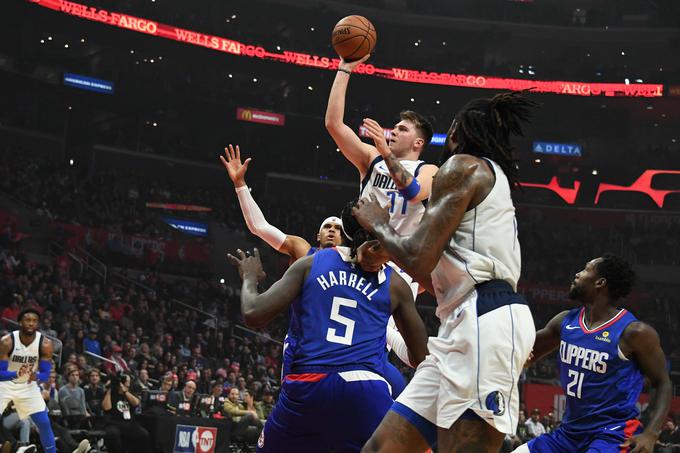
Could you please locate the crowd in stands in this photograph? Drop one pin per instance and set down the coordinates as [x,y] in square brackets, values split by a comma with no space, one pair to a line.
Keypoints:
[166,349]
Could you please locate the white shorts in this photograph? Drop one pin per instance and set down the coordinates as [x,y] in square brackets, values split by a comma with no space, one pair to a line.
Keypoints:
[415,287]
[475,362]
[26,397]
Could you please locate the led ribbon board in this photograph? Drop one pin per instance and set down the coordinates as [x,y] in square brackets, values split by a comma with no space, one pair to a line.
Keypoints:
[220,44]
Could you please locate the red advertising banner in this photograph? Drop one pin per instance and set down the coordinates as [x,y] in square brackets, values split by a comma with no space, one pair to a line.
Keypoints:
[220,44]
[259,116]
[550,398]
[150,250]
[178,207]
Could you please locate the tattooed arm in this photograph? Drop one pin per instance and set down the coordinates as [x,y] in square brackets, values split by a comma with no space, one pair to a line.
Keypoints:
[402,178]
[462,182]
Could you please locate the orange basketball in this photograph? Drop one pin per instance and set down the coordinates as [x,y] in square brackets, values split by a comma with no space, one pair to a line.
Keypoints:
[353,37]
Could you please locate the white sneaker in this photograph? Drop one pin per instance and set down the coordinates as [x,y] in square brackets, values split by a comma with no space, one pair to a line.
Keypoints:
[27,449]
[83,446]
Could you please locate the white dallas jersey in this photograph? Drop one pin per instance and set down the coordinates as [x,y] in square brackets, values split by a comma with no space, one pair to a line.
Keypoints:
[24,355]
[404,216]
[484,247]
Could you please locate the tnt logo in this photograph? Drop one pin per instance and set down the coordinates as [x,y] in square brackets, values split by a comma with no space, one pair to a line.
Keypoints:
[195,439]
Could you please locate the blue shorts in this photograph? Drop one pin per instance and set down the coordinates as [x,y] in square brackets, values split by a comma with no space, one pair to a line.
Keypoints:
[325,412]
[603,440]
[394,377]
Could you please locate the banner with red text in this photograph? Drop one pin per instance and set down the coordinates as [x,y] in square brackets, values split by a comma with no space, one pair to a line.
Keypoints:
[220,44]
[149,250]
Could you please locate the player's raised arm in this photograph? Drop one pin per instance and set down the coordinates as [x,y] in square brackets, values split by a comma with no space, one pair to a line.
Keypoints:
[460,182]
[408,322]
[412,189]
[293,246]
[640,342]
[260,309]
[547,339]
[357,152]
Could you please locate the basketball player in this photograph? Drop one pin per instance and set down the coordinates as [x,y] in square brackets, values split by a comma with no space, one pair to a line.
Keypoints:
[330,232]
[605,353]
[466,250]
[25,357]
[330,235]
[394,173]
[335,395]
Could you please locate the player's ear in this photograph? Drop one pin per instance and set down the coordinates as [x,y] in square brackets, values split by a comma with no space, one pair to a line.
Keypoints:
[601,283]
[419,142]
[318,237]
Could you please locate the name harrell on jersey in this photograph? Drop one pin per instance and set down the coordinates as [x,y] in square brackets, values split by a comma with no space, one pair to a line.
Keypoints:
[404,216]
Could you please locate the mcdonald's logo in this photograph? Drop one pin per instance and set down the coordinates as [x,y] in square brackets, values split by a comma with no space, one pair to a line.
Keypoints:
[260,116]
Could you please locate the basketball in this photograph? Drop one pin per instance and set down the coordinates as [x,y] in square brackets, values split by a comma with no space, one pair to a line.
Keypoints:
[353,37]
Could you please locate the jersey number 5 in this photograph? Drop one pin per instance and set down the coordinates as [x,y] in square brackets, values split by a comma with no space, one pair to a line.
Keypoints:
[332,335]
[577,381]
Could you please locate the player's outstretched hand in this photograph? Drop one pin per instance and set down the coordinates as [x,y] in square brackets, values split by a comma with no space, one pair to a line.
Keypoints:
[235,169]
[351,65]
[249,266]
[642,443]
[377,133]
[369,213]
[371,256]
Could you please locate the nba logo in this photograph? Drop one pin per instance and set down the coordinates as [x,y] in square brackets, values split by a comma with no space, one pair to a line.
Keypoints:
[195,439]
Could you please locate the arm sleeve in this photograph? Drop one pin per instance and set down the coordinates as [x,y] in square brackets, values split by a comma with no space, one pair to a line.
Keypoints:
[44,370]
[255,220]
[398,345]
[4,374]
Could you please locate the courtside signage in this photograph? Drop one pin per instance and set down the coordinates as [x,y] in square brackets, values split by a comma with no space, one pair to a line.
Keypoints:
[195,439]
[88,83]
[220,44]
[259,116]
[558,149]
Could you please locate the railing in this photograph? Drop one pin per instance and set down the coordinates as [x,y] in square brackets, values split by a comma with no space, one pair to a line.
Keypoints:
[57,351]
[172,299]
[253,332]
[86,260]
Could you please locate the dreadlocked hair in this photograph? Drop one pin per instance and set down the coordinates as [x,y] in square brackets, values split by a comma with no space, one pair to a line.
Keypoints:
[354,232]
[484,126]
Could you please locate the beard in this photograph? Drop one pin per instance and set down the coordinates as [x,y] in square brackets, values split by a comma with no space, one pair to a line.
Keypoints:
[575,293]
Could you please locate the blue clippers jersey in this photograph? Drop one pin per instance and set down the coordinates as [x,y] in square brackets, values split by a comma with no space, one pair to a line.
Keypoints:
[601,385]
[290,341]
[339,320]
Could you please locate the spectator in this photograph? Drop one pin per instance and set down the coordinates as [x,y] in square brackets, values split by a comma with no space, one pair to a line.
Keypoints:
[669,439]
[12,424]
[143,384]
[534,426]
[91,343]
[183,402]
[265,407]
[120,364]
[246,423]
[157,403]
[122,433]
[94,393]
[211,406]
[72,400]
